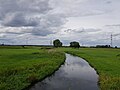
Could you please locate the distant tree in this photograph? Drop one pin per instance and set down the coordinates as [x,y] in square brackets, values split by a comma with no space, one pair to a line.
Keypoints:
[102,46]
[74,44]
[23,46]
[116,47]
[57,43]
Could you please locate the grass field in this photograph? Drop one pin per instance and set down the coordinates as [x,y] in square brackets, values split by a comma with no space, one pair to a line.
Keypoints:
[105,61]
[21,67]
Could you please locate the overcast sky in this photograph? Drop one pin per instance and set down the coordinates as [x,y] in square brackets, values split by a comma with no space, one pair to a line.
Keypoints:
[90,22]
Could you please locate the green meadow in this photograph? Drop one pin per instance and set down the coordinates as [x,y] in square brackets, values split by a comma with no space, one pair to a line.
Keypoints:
[20,67]
[106,61]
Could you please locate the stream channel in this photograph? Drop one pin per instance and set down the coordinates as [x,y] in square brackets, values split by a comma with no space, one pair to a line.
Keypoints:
[75,74]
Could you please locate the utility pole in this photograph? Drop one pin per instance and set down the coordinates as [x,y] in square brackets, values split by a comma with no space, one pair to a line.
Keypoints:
[111,40]
[50,42]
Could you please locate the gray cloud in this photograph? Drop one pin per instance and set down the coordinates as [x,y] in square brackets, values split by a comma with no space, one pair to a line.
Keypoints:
[38,31]
[19,20]
[28,16]
[24,6]
[20,13]
[48,24]
[108,2]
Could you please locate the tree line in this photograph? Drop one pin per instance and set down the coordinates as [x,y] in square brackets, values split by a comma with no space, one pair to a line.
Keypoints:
[58,43]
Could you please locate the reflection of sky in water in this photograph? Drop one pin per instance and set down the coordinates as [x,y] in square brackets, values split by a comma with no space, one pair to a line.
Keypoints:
[76,67]
[76,74]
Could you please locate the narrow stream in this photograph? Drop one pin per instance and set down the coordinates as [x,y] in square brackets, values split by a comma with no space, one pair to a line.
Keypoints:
[75,74]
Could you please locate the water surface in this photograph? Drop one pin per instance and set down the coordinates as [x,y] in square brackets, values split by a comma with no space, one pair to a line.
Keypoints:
[75,74]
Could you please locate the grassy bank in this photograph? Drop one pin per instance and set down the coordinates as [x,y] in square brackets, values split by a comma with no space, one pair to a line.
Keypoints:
[21,67]
[105,61]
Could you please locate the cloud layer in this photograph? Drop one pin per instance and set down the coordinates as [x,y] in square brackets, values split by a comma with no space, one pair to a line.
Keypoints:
[28,16]
[93,21]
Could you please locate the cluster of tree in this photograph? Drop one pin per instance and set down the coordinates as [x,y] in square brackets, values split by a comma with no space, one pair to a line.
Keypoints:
[2,44]
[74,44]
[103,46]
[58,43]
